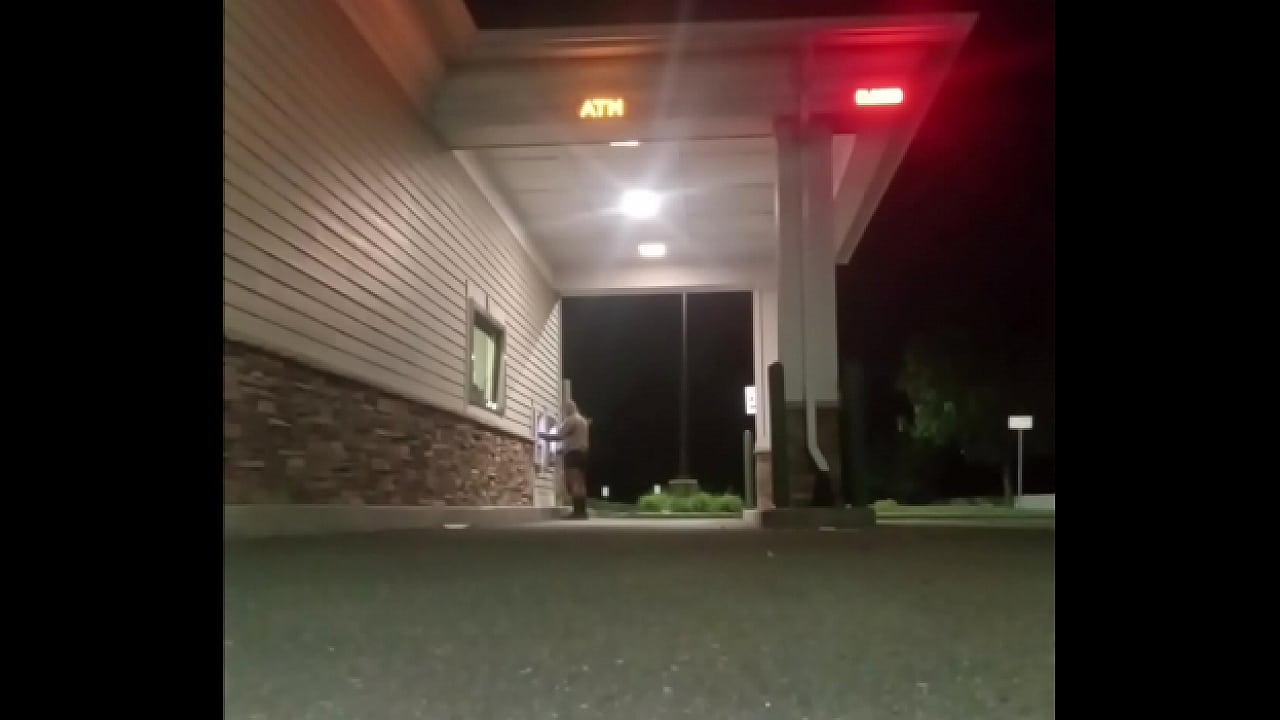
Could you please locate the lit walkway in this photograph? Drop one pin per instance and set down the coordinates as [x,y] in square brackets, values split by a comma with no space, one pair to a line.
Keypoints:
[886,623]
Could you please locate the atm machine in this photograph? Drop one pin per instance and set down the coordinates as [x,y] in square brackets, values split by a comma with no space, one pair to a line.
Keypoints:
[546,471]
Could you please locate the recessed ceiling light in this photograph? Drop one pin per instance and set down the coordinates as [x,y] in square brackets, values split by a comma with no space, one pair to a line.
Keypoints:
[624,143]
[640,203]
[652,250]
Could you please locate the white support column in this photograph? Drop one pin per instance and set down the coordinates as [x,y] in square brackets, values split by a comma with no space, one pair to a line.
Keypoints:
[764,324]
[790,293]
[806,264]
[819,286]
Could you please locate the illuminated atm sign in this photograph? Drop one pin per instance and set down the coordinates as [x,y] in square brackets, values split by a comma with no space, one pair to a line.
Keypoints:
[599,108]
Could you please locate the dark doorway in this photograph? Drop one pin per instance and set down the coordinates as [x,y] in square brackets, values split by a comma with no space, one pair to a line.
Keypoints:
[622,354]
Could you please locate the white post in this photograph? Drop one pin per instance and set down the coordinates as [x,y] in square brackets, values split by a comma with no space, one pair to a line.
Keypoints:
[1020,464]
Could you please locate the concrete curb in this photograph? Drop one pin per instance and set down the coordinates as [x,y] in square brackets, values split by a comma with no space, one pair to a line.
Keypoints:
[1047,523]
[682,516]
[253,521]
[963,513]
[813,518]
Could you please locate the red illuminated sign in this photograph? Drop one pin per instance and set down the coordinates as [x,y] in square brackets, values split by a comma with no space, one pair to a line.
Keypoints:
[878,96]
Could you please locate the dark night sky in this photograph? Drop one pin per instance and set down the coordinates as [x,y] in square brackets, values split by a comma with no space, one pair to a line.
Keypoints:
[964,235]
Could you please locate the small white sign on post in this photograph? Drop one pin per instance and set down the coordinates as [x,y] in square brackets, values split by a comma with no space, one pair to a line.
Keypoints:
[749,394]
[1019,423]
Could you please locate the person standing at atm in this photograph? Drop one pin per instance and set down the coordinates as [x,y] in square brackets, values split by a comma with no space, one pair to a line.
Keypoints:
[574,436]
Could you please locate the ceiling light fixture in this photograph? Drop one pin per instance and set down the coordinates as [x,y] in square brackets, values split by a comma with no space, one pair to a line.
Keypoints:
[652,250]
[640,203]
[624,143]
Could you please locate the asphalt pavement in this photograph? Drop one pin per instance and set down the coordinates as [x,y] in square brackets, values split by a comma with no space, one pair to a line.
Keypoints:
[590,622]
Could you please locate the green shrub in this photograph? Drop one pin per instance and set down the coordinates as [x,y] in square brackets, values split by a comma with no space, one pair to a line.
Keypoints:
[681,504]
[727,503]
[654,502]
[700,502]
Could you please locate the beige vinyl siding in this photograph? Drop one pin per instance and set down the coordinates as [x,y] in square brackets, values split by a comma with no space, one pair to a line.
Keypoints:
[351,236]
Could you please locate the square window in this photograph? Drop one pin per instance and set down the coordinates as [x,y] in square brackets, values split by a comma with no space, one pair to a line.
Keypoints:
[488,345]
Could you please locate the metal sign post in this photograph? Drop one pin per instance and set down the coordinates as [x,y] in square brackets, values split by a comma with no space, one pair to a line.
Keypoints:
[1020,423]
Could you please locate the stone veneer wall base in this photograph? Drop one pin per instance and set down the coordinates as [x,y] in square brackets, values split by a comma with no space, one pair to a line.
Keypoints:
[317,452]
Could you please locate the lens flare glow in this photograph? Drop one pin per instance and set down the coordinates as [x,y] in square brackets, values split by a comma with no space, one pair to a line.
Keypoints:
[640,203]
[651,250]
